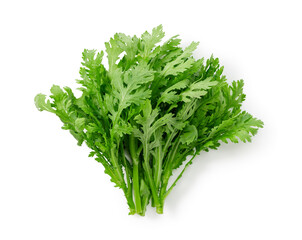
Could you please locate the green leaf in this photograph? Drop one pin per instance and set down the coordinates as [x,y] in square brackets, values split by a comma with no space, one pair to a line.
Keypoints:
[170,95]
[149,122]
[57,93]
[181,63]
[113,51]
[130,87]
[92,59]
[197,89]
[241,127]
[148,40]
[42,104]
[189,134]
[80,124]
[144,189]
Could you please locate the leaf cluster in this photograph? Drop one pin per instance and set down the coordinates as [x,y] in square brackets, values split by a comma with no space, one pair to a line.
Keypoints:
[152,108]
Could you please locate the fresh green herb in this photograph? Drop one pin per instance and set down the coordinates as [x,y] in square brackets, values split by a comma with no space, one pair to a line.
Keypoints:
[153,107]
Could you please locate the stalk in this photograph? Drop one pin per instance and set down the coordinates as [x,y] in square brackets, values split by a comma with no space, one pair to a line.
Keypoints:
[137,197]
[136,190]
[179,176]
[116,166]
[145,201]
[158,167]
[168,171]
[152,186]
[148,171]
[128,192]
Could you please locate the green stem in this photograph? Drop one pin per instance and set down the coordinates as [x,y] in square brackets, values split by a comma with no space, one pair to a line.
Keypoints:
[168,170]
[136,189]
[108,167]
[145,201]
[179,176]
[128,192]
[148,171]
[116,166]
[135,162]
[113,173]
[151,184]
[158,167]
[169,140]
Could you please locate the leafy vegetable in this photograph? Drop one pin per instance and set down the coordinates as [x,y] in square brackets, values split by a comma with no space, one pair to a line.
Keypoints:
[149,111]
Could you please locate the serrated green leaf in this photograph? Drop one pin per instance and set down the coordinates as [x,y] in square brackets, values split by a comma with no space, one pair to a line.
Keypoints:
[80,124]
[170,95]
[182,62]
[197,89]
[42,104]
[189,134]
[148,40]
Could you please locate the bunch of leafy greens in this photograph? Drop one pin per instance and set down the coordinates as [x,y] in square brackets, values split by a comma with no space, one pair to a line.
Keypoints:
[153,107]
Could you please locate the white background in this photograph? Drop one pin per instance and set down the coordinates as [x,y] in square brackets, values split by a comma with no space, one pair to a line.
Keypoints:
[50,189]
